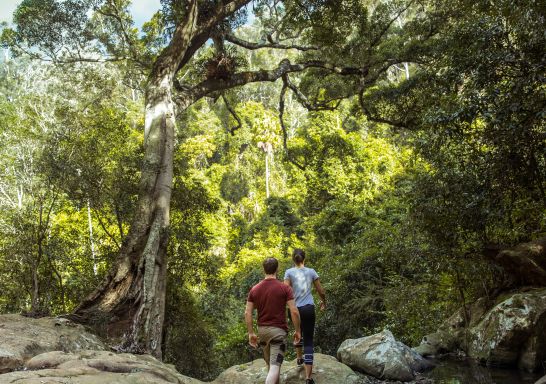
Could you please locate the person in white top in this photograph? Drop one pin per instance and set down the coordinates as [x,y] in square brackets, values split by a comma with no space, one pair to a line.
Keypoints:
[302,279]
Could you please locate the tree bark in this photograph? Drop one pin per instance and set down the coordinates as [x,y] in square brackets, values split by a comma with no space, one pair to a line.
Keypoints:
[129,305]
[91,240]
[35,299]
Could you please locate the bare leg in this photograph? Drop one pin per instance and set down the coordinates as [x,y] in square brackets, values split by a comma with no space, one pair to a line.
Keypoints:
[308,371]
[273,376]
[299,352]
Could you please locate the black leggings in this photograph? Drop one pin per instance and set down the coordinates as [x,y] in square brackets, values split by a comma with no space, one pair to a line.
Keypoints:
[307,318]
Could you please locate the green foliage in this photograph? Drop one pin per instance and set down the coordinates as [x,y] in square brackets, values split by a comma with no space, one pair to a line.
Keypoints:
[394,217]
[63,23]
[189,337]
[478,111]
[68,187]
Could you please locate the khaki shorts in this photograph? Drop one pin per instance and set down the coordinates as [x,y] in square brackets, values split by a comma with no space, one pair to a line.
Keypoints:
[273,341]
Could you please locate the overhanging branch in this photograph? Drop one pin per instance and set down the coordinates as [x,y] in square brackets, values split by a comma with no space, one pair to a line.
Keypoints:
[206,87]
[219,14]
[389,24]
[204,29]
[324,106]
[78,58]
[271,44]
[116,15]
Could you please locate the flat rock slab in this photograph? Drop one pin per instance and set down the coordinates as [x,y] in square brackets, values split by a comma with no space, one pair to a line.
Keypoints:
[103,367]
[326,370]
[22,338]
[95,367]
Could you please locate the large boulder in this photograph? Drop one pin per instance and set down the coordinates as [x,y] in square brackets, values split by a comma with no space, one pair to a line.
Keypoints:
[524,264]
[326,370]
[513,332]
[21,338]
[382,356]
[452,334]
[509,333]
[95,367]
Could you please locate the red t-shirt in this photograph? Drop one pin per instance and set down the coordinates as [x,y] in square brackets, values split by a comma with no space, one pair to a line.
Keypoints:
[270,297]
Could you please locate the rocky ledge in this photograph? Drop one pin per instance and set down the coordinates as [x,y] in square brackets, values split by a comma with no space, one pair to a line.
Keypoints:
[22,338]
[55,351]
[103,367]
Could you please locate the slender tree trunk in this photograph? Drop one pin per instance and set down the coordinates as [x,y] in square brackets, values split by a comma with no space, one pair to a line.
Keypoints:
[35,300]
[267,174]
[91,240]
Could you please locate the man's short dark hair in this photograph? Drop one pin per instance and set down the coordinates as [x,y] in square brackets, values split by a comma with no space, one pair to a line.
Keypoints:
[298,255]
[270,265]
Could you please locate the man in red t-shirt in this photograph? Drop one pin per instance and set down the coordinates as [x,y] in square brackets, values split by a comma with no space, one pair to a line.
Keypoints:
[270,297]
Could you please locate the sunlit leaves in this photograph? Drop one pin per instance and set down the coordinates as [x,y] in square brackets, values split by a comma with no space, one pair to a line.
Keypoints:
[53,26]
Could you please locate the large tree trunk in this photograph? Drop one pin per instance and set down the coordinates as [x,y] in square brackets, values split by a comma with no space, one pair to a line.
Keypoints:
[129,305]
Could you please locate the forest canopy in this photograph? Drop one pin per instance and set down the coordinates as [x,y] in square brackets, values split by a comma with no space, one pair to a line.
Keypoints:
[146,173]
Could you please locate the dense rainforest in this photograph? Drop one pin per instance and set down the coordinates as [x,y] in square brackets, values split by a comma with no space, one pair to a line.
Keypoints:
[146,173]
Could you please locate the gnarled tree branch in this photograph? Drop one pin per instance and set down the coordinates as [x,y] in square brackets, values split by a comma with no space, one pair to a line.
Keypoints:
[271,44]
[206,87]
[234,114]
[324,106]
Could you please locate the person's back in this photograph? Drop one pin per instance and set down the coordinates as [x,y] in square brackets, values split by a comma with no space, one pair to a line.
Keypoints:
[301,280]
[270,297]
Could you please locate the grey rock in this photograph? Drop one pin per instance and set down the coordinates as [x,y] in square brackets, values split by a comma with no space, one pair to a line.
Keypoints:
[509,333]
[95,367]
[525,264]
[103,367]
[512,333]
[326,370]
[382,356]
[22,338]
[437,343]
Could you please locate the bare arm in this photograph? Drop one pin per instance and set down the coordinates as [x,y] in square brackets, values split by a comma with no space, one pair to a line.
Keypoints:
[252,338]
[321,293]
[295,315]
[288,282]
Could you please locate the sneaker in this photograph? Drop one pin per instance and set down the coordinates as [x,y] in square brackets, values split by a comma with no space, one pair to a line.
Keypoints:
[299,363]
[309,381]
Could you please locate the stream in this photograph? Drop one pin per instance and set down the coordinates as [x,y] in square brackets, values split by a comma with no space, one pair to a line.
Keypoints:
[468,372]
